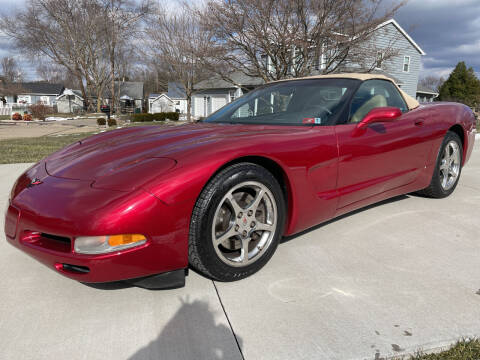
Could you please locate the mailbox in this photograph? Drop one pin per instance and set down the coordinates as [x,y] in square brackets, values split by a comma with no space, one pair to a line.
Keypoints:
[105,109]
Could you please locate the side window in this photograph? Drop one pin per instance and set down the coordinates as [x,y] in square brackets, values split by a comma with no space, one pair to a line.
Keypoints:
[373,94]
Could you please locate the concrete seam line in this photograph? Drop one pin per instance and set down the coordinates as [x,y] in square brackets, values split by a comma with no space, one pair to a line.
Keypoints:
[228,320]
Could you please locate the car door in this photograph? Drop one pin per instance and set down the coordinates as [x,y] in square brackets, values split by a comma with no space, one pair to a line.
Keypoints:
[382,156]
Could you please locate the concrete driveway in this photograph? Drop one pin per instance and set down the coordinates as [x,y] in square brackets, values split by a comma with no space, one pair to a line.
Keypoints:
[387,280]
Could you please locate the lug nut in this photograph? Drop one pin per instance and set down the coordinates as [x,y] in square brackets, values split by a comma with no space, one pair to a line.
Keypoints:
[237,227]
[244,233]
[250,212]
[240,214]
[252,225]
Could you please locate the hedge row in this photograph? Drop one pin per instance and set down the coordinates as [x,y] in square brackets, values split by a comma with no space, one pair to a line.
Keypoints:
[155,117]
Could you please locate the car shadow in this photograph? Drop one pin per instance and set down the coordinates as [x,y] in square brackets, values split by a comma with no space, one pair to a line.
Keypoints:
[344,216]
[192,333]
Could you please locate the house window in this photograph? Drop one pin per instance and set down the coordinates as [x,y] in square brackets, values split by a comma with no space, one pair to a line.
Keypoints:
[379,60]
[406,63]
[177,102]
[232,96]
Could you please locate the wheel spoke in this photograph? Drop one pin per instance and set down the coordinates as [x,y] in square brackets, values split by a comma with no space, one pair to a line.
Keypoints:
[444,167]
[254,205]
[264,227]
[234,204]
[231,232]
[244,251]
[444,179]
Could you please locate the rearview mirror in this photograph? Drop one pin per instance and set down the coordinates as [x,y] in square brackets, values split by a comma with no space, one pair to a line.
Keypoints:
[381,114]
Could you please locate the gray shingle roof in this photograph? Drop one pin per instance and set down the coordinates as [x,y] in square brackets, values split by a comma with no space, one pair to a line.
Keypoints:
[133,89]
[424,89]
[176,91]
[41,88]
[238,78]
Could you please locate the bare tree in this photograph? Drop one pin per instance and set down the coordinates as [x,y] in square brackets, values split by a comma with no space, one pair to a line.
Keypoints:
[432,82]
[276,39]
[122,24]
[180,47]
[52,73]
[67,33]
[10,70]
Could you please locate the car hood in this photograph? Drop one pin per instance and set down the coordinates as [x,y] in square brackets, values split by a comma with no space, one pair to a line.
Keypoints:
[124,150]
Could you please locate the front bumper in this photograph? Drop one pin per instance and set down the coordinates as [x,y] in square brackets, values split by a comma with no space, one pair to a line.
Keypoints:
[44,220]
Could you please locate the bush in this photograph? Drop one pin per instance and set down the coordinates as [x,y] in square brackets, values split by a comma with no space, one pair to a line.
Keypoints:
[40,111]
[27,117]
[101,121]
[112,122]
[17,116]
[155,117]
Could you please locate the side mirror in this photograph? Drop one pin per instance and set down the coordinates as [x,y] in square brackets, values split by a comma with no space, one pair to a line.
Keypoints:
[381,114]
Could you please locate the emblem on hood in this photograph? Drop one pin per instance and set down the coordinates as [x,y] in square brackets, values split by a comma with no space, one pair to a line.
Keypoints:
[35,181]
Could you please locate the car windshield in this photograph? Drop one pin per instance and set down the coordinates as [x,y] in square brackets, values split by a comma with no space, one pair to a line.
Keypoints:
[299,102]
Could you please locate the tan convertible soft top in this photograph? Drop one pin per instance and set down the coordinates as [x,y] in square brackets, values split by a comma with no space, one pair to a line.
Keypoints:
[411,102]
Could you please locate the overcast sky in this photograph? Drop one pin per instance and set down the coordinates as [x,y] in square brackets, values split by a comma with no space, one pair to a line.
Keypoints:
[448,31]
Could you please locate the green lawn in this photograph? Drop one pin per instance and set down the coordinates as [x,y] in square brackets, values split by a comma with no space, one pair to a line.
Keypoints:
[463,350]
[27,150]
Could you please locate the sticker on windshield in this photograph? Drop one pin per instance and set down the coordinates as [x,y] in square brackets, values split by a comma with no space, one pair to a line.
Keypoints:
[312,121]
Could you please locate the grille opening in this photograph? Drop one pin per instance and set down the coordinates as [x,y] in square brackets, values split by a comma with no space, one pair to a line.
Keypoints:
[75,268]
[56,238]
[47,241]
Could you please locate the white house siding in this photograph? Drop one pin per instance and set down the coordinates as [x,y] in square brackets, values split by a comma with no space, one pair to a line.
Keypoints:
[180,105]
[207,102]
[389,36]
[64,106]
[160,104]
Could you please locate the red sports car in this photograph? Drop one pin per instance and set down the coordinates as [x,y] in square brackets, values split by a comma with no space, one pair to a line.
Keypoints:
[144,203]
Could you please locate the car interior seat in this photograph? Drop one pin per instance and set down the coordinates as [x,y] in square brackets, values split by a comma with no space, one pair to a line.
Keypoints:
[374,102]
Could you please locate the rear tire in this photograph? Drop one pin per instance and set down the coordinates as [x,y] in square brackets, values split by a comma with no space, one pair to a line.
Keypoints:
[447,169]
[236,223]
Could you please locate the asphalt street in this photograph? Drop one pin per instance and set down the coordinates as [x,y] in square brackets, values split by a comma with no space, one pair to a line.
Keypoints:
[388,280]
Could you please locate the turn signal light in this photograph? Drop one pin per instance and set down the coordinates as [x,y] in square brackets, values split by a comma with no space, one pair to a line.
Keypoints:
[108,243]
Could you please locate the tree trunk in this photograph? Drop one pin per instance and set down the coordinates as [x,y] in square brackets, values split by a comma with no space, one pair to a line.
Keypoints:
[189,108]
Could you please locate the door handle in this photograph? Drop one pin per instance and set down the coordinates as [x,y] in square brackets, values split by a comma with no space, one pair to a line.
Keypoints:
[419,122]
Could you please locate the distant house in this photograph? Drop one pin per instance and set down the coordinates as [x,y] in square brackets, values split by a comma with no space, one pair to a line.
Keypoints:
[425,94]
[158,103]
[175,100]
[70,101]
[35,93]
[212,94]
[130,94]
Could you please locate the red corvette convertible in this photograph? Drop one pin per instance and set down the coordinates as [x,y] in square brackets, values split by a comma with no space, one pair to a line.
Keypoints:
[142,204]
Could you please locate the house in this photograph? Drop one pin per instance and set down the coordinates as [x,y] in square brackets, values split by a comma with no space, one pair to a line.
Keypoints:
[394,53]
[405,64]
[214,93]
[70,101]
[424,94]
[35,93]
[175,100]
[130,94]
[158,103]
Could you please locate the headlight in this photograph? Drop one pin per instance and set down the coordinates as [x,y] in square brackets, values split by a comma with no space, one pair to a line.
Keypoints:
[108,243]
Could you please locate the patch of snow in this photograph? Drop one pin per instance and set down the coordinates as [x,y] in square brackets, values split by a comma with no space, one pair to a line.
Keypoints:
[55,118]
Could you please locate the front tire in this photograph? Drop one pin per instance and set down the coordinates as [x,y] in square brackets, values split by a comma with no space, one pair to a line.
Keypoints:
[448,168]
[236,223]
